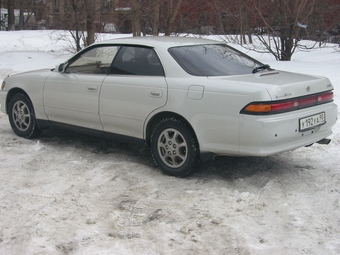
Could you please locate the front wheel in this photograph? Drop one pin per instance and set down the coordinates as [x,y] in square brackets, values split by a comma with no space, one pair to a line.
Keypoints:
[174,147]
[22,117]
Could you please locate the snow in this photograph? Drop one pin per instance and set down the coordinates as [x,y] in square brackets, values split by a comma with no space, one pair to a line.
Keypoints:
[67,193]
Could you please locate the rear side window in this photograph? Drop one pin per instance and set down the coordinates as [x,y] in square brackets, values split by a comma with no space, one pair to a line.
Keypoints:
[133,60]
[213,60]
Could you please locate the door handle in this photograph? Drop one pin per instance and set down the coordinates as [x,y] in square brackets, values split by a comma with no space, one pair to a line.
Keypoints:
[156,93]
[91,89]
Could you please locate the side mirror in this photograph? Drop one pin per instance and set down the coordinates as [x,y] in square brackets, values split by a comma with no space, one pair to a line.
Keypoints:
[60,68]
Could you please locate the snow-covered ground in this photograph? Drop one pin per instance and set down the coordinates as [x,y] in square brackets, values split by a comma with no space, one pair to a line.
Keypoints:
[66,193]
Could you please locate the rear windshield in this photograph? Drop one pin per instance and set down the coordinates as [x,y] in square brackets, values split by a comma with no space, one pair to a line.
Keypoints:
[213,60]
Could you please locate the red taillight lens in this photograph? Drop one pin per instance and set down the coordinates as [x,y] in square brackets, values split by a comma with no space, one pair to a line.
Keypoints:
[305,102]
[327,97]
[276,107]
[287,105]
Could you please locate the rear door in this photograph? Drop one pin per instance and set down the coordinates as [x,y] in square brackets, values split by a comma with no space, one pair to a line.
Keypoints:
[135,87]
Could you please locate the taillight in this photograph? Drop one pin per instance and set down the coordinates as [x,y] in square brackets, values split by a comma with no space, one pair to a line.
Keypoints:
[273,107]
[326,97]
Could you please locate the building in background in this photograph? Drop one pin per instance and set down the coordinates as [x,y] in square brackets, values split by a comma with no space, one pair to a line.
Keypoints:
[19,18]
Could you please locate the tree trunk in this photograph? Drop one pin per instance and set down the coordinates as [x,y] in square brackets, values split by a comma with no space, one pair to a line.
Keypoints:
[89,22]
[281,18]
[135,18]
[76,34]
[90,31]
[77,39]
[286,48]
[156,21]
[11,18]
[173,11]
[241,13]
[250,38]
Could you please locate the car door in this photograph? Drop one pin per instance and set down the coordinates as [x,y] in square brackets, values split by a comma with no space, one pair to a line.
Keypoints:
[135,87]
[71,96]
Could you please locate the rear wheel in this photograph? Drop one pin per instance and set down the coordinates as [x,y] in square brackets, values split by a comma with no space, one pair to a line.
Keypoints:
[174,147]
[22,117]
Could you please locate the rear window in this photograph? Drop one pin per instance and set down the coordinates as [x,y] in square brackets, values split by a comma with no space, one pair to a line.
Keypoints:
[213,60]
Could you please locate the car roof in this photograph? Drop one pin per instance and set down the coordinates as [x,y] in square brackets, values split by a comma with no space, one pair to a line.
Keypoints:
[160,41]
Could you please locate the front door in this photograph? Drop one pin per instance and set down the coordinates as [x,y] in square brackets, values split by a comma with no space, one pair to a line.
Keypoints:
[71,97]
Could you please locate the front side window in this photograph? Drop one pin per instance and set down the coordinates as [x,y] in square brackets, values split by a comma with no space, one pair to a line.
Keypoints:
[134,60]
[213,60]
[94,61]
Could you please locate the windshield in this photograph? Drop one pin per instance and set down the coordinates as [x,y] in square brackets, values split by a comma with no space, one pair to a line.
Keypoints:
[213,60]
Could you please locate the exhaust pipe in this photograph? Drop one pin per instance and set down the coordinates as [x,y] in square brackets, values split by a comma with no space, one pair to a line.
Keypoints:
[325,141]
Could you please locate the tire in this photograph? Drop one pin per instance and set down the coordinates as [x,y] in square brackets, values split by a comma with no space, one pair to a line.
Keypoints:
[174,147]
[22,117]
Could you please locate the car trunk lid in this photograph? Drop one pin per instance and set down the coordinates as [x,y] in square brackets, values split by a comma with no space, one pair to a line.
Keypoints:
[284,85]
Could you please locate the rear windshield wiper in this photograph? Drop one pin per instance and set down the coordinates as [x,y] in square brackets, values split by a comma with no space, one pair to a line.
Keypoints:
[260,68]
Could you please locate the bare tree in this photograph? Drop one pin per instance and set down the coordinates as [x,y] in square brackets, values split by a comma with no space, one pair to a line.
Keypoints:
[90,17]
[11,18]
[324,23]
[156,17]
[173,7]
[145,15]
[74,17]
[136,6]
[232,17]
[29,12]
[245,28]
[77,16]
[283,20]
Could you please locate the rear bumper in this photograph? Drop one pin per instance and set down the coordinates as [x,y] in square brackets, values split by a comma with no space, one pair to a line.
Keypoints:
[268,135]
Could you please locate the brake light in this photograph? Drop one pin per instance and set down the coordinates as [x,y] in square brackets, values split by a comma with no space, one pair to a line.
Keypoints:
[283,106]
[327,97]
[274,107]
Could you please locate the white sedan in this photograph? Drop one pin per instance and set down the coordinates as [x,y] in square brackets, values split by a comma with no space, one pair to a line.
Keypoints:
[184,97]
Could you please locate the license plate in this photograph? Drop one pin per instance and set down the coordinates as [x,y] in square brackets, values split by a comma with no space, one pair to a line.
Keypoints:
[312,121]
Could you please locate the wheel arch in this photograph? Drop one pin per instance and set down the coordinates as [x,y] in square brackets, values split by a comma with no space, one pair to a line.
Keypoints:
[13,92]
[162,115]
